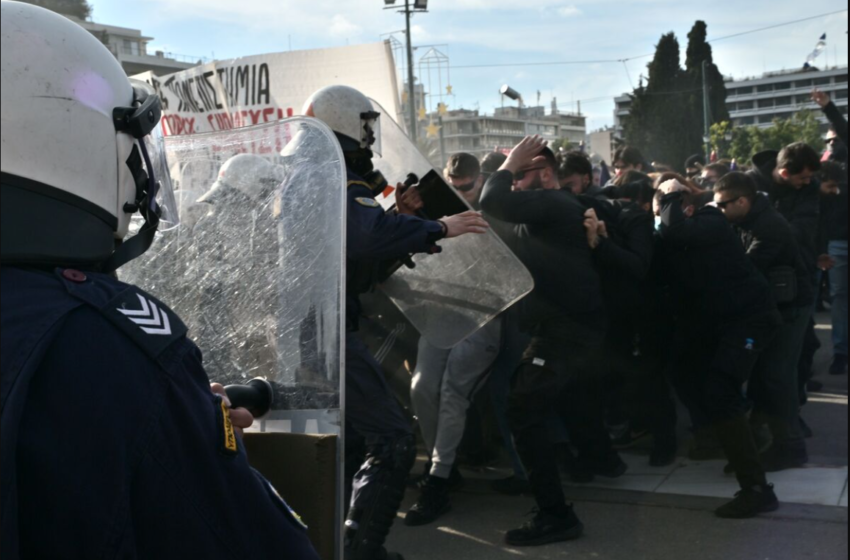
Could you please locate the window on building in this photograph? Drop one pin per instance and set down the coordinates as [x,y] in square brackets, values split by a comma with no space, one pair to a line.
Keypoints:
[765,88]
[746,90]
[784,101]
[746,121]
[746,105]
[803,84]
[841,79]
[823,81]
[766,103]
[841,94]
[131,47]
[783,86]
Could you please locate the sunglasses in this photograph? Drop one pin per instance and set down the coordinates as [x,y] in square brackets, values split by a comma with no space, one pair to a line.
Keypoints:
[726,203]
[521,175]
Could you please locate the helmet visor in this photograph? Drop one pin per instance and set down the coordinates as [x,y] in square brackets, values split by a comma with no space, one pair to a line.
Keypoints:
[370,125]
[161,189]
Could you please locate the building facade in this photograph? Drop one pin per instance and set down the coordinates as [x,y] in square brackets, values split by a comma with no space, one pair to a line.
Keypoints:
[130,47]
[477,134]
[776,95]
[760,101]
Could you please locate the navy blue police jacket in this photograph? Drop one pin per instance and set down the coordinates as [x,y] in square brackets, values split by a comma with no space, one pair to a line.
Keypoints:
[113,445]
[376,236]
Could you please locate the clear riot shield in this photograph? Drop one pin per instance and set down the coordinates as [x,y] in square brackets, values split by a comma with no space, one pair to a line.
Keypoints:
[448,296]
[257,272]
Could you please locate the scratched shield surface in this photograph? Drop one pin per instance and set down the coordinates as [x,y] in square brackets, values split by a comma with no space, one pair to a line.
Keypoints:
[449,296]
[256,267]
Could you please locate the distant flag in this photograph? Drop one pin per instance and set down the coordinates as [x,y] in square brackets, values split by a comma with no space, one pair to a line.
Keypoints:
[819,48]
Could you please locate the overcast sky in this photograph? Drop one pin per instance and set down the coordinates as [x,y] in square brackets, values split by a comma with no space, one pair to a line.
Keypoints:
[480,32]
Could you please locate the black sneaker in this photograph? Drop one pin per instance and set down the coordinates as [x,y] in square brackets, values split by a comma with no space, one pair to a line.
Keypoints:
[512,486]
[546,529]
[749,503]
[839,365]
[585,471]
[432,505]
[785,457]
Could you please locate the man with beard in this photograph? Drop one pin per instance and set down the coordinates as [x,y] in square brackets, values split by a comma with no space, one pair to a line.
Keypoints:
[566,317]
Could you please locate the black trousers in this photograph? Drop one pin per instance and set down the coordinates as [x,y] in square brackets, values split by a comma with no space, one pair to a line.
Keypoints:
[556,376]
[714,365]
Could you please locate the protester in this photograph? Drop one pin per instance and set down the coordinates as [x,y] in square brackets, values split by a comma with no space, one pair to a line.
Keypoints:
[838,142]
[621,235]
[711,174]
[786,177]
[463,172]
[628,159]
[694,166]
[575,173]
[772,248]
[726,317]
[565,315]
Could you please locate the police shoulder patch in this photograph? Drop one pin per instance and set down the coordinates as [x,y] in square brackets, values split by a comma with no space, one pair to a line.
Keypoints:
[368,202]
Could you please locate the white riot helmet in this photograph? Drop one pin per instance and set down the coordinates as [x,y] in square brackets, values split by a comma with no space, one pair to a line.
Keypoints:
[78,158]
[250,174]
[350,115]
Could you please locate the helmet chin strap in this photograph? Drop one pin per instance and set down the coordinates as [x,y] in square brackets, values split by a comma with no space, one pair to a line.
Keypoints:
[145,204]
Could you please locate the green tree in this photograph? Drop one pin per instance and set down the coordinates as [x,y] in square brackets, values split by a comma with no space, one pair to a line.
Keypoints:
[78,8]
[564,143]
[659,113]
[747,141]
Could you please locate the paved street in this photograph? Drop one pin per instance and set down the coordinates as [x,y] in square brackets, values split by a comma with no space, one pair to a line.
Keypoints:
[666,514]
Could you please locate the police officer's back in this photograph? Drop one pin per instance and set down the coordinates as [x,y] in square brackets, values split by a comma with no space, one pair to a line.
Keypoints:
[113,445]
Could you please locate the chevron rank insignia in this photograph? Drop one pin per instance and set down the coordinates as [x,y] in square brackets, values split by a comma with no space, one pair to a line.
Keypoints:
[368,202]
[147,321]
[149,318]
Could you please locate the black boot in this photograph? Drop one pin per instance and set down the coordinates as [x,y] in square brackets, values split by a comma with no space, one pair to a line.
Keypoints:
[547,528]
[749,503]
[433,503]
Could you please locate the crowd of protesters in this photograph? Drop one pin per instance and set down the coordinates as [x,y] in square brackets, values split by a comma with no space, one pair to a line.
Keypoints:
[650,287]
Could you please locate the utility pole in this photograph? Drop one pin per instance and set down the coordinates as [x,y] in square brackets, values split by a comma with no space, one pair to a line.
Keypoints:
[410,7]
[706,110]
[410,84]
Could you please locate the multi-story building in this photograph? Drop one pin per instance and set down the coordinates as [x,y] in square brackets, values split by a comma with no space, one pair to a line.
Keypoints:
[472,132]
[759,101]
[604,143]
[130,47]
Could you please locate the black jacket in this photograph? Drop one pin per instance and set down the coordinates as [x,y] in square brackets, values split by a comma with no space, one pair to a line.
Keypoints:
[837,214]
[624,258]
[770,243]
[800,207]
[711,277]
[550,239]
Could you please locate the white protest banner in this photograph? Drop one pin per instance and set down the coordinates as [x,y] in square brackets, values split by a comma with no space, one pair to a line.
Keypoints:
[228,94]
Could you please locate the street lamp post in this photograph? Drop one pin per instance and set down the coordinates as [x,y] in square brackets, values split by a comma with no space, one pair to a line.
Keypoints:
[408,11]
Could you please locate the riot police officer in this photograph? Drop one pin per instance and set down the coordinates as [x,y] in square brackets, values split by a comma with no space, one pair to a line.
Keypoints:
[113,444]
[373,416]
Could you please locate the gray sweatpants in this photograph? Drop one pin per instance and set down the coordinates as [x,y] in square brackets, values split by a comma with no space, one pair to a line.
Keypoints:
[443,387]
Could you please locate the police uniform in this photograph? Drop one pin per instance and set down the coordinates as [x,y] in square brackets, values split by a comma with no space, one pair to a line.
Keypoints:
[373,415]
[113,445]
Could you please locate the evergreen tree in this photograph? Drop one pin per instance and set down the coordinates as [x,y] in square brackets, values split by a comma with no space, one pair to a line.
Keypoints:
[78,8]
[667,119]
[659,120]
